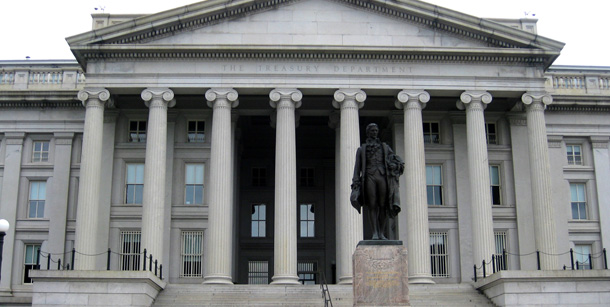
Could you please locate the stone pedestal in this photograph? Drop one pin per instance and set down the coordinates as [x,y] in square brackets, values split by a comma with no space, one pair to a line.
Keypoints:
[381,277]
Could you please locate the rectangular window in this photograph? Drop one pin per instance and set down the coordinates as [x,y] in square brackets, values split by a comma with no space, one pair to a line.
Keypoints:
[38,193]
[431,133]
[194,184]
[259,221]
[307,271]
[439,252]
[40,151]
[196,131]
[134,183]
[129,259]
[29,263]
[258,272]
[578,201]
[574,154]
[490,131]
[137,131]
[259,177]
[307,220]
[434,184]
[307,177]
[501,246]
[192,254]
[494,177]
[581,255]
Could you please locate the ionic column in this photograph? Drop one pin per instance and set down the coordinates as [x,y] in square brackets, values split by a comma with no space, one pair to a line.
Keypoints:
[478,165]
[348,221]
[544,219]
[416,203]
[220,217]
[285,232]
[87,213]
[158,100]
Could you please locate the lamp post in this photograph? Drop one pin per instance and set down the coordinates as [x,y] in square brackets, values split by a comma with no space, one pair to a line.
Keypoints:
[4,226]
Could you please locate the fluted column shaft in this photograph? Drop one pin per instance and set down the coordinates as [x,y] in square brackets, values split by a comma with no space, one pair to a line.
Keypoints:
[478,166]
[153,202]
[285,232]
[349,230]
[87,214]
[544,220]
[416,204]
[220,217]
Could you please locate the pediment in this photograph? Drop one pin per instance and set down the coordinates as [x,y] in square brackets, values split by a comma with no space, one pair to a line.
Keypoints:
[361,29]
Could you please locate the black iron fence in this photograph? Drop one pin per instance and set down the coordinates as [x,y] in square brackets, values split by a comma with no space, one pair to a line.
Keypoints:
[127,261]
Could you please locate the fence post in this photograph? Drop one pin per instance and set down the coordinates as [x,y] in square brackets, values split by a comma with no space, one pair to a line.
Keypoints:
[484,273]
[155,267]
[144,266]
[605,260]
[73,252]
[493,263]
[504,259]
[38,260]
[161,271]
[150,263]
[59,264]
[48,261]
[577,266]
[108,261]
[538,259]
[590,262]
[572,258]
[475,272]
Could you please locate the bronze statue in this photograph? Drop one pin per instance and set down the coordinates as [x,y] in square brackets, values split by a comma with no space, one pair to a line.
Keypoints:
[375,181]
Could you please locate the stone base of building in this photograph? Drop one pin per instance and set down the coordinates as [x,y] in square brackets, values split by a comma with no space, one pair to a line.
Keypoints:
[90,288]
[381,275]
[542,288]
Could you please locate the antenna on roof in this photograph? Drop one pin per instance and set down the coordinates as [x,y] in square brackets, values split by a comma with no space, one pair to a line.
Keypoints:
[101,8]
[529,14]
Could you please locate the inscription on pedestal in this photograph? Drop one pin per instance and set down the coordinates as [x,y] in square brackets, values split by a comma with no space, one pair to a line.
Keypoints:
[380,275]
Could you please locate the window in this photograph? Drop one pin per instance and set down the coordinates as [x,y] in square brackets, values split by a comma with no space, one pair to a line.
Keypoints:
[192,253]
[135,183]
[501,246]
[307,220]
[259,176]
[581,256]
[439,254]
[258,272]
[194,184]
[307,177]
[490,131]
[434,184]
[29,263]
[196,131]
[137,131]
[40,151]
[431,133]
[494,177]
[129,259]
[579,202]
[307,271]
[259,223]
[574,154]
[38,193]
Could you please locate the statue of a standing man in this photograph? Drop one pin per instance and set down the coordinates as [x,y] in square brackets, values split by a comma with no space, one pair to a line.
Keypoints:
[375,181]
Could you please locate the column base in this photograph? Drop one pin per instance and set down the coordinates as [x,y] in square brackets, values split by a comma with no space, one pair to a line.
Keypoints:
[346,280]
[6,292]
[285,280]
[217,280]
[421,280]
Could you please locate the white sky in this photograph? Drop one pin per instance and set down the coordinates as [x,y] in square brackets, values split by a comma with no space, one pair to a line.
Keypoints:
[38,28]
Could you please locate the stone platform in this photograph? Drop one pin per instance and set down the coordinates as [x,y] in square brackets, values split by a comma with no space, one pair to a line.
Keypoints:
[381,274]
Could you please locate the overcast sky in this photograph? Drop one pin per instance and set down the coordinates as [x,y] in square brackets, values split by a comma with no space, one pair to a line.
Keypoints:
[38,28]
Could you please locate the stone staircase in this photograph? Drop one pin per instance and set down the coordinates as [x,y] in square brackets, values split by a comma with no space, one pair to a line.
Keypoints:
[176,295]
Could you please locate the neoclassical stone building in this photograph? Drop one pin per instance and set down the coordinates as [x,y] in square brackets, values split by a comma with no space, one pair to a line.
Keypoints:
[221,138]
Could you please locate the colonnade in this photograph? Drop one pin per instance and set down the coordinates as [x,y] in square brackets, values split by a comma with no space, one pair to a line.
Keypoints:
[349,229]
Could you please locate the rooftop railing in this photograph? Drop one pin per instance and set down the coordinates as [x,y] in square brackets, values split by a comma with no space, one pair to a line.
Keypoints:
[578,80]
[41,75]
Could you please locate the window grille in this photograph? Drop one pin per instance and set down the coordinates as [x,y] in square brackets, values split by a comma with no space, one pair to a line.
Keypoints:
[29,263]
[434,184]
[578,201]
[574,153]
[259,220]
[501,246]
[37,199]
[490,132]
[129,259]
[307,220]
[137,131]
[40,151]
[439,252]
[258,272]
[308,272]
[196,131]
[194,184]
[192,254]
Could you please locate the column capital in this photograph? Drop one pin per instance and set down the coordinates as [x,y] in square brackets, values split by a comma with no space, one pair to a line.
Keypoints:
[530,98]
[350,94]
[226,94]
[162,95]
[470,98]
[285,94]
[405,97]
[101,95]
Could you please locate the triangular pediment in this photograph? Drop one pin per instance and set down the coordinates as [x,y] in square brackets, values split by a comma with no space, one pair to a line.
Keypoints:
[369,29]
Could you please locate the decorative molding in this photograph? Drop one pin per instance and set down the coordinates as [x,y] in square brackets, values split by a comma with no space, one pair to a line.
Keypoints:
[534,97]
[577,108]
[472,98]
[555,141]
[163,95]
[282,94]
[349,94]
[14,138]
[228,94]
[600,142]
[404,97]
[41,105]
[100,95]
